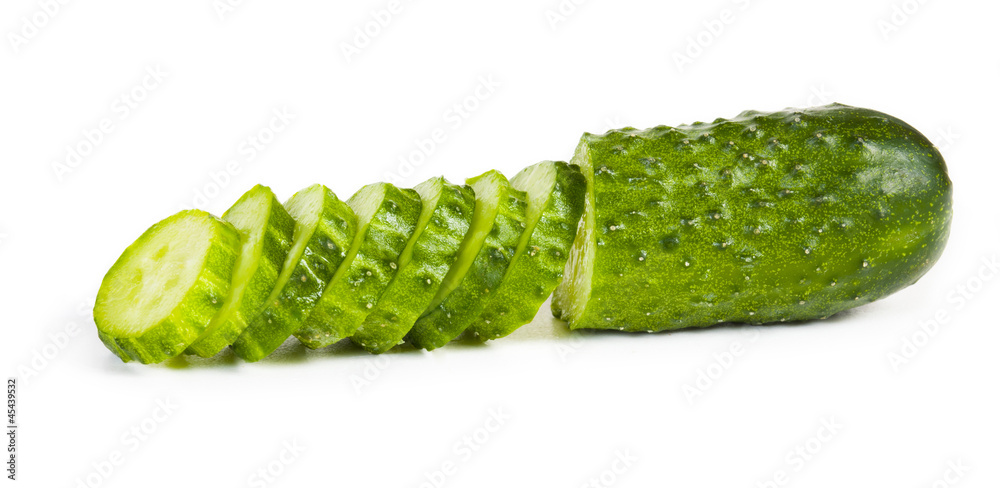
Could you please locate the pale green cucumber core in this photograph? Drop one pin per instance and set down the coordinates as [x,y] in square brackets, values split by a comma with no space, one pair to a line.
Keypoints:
[573,293]
[487,205]
[154,280]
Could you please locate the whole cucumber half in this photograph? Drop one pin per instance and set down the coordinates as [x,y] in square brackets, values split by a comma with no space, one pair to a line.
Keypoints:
[791,215]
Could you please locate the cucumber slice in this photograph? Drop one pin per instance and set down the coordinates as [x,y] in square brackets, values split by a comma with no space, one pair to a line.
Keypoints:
[445,218]
[387,216]
[266,229]
[556,193]
[166,287]
[324,229]
[484,255]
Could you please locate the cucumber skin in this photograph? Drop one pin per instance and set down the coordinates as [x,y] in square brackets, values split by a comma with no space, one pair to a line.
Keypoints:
[850,206]
[322,256]
[438,326]
[345,303]
[187,321]
[541,265]
[274,248]
[433,253]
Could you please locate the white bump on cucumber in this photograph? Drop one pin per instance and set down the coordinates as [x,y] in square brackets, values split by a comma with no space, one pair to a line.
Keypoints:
[555,193]
[483,258]
[445,218]
[387,216]
[166,287]
[324,229]
[266,230]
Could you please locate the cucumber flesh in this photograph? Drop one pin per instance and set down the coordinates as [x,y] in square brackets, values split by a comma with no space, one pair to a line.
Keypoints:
[387,217]
[324,229]
[266,230]
[166,287]
[445,219]
[485,253]
[555,193]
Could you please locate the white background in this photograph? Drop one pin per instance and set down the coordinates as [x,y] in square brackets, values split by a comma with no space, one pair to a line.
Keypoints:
[573,403]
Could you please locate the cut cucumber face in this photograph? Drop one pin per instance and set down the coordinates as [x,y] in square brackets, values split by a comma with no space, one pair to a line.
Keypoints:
[387,216]
[266,230]
[783,216]
[445,219]
[483,257]
[556,193]
[324,230]
[165,288]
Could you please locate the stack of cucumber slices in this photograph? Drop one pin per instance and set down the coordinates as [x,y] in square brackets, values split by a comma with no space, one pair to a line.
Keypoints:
[426,264]
[766,217]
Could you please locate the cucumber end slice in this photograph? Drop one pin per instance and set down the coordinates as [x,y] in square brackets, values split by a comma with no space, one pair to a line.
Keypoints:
[165,288]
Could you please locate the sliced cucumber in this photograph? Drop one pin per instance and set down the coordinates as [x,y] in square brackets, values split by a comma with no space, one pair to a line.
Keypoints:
[387,216]
[324,229]
[166,287]
[266,230]
[484,255]
[445,218]
[556,192]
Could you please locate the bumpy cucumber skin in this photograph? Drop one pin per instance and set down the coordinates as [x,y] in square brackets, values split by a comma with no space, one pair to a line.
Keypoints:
[537,269]
[415,284]
[274,248]
[322,256]
[347,301]
[187,321]
[791,215]
[455,314]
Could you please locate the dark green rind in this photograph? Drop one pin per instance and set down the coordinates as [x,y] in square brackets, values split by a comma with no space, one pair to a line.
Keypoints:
[434,250]
[274,249]
[347,301]
[791,215]
[186,322]
[439,325]
[538,265]
[323,254]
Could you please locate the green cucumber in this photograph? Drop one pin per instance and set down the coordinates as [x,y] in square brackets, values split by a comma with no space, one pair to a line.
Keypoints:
[445,218]
[266,230]
[486,251]
[166,287]
[790,215]
[324,229]
[387,216]
[556,192]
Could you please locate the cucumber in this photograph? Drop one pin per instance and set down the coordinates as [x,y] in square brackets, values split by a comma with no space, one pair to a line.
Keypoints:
[485,253]
[556,192]
[166,287]
[324,230]
[387,216]
[791,215]
[445,218]
[266,230]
